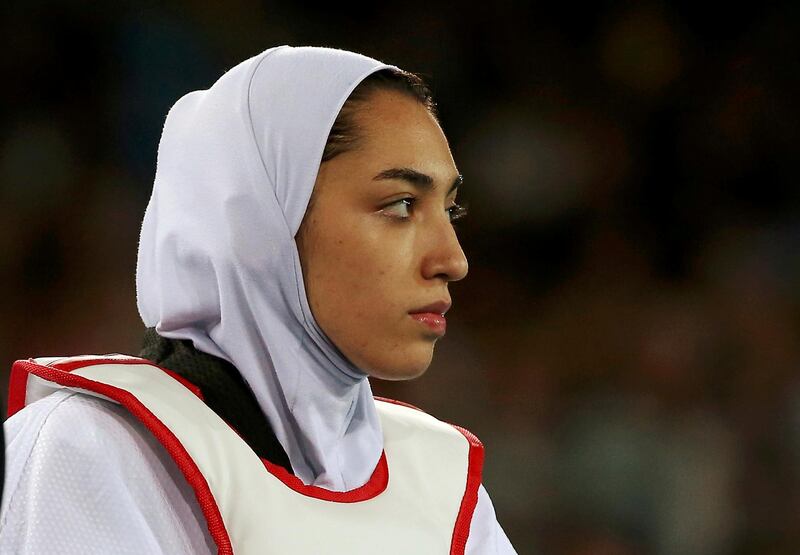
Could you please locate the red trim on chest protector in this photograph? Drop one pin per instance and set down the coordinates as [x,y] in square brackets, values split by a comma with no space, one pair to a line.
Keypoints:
[470,498]
[68,365]
[18,380]
[176,450]
[372,488]
[17,389]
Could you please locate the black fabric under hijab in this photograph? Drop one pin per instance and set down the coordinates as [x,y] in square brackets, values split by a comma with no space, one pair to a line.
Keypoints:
[224,390]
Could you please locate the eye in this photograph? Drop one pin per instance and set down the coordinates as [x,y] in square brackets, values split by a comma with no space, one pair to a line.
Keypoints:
[457,211]
[400,209]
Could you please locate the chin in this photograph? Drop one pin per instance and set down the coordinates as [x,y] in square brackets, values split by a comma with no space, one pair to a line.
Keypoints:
[408,367]
[395,375]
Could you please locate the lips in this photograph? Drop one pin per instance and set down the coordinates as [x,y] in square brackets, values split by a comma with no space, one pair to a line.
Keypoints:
[432,316]
[438,307]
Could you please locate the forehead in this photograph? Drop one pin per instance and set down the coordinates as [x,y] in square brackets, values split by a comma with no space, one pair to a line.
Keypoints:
[395,128]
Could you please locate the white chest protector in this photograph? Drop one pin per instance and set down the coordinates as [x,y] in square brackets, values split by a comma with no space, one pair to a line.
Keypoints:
[419,500]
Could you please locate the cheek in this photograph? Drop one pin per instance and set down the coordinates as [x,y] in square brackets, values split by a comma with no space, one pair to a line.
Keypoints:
[360,281]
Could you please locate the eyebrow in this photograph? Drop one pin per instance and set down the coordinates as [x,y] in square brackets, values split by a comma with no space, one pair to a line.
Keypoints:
[415,178]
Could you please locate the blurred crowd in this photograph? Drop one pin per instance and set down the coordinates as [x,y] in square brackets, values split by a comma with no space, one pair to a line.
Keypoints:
[626,344]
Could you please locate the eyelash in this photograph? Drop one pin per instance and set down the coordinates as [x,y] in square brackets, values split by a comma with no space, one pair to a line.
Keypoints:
[457,211]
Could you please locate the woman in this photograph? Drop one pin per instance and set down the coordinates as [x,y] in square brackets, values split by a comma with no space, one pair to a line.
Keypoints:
[273,305]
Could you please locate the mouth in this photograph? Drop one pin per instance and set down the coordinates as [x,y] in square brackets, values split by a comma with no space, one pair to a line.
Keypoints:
[432,316]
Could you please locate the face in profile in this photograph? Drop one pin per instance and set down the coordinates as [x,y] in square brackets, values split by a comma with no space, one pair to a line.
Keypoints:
[377,245]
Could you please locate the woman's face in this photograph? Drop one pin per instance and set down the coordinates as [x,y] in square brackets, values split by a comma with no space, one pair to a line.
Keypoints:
[377,246]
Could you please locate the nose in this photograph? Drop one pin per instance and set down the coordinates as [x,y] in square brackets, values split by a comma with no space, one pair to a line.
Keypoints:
[445,258]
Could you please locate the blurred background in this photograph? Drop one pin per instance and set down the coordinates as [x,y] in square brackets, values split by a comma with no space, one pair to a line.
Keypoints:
[626,344]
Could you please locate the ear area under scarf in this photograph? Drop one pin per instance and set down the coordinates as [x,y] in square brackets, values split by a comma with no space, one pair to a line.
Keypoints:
[291,119]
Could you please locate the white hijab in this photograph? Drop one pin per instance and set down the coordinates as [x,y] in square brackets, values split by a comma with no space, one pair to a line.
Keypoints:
[217,260]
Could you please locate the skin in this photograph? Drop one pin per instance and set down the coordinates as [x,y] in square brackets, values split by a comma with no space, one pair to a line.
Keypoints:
[369,258]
